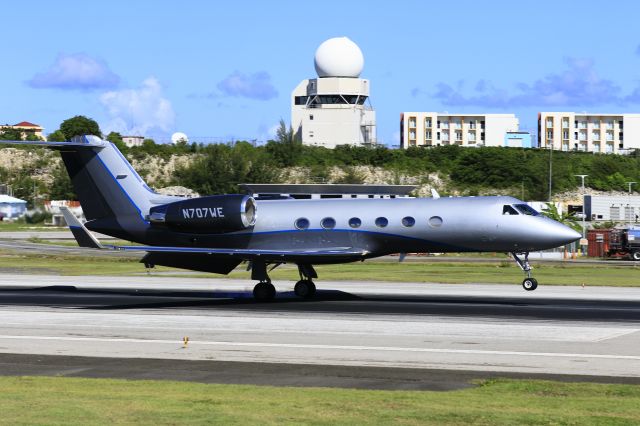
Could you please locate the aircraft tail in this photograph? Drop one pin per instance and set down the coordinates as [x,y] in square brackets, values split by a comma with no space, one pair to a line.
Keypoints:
[114,198]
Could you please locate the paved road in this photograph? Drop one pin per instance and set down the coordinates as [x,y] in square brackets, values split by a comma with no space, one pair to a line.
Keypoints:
[473,328]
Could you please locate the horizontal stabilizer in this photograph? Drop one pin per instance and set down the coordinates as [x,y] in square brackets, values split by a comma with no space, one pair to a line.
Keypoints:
[79,141]
[79,231]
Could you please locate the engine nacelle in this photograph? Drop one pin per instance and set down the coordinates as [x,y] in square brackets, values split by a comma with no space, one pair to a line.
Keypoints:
[214,214]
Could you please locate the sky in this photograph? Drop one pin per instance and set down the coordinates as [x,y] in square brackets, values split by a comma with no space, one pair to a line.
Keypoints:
[221,71]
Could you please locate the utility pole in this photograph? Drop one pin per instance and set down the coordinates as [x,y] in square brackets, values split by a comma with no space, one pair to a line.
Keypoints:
[629,209]
[584,215]
[550,169]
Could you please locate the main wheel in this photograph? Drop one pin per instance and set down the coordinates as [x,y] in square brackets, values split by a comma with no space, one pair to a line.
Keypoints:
[305,289]
[635,255]
[530,284]
[263,292]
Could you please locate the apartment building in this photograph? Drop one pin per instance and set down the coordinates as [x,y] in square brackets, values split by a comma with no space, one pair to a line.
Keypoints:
[598,133]
[435,129]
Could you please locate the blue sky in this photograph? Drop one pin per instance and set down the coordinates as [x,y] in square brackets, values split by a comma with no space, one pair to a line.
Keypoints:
[225,70]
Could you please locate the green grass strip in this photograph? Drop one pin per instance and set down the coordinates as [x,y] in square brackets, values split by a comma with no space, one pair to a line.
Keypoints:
[75,401]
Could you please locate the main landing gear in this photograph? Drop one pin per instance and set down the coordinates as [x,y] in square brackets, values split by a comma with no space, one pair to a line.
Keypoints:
[264,291]
[529,283]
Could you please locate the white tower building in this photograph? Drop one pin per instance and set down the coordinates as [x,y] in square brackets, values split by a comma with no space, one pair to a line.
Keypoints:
[334,109]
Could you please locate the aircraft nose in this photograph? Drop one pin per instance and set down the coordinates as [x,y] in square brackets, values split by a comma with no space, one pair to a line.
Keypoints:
[558,234]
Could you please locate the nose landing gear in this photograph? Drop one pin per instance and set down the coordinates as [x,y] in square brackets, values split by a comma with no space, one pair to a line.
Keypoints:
[528,283]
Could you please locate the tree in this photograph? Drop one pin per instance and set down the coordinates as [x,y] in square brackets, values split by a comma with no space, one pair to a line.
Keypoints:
[116,139]
[56,136]
[552,212]
[61,187]
[9,134]
[287,148]
[79,126]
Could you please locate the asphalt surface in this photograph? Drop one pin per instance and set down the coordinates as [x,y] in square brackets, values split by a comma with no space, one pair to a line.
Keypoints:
[359,334]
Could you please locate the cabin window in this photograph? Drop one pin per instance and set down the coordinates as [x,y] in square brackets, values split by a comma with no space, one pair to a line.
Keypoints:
[302,223]
[508,210]
[435,221]
[355,222]
[408,221]
[328,223]
[381,222]
[527,209]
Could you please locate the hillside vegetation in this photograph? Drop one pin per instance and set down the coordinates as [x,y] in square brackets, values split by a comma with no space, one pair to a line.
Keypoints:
[210,169]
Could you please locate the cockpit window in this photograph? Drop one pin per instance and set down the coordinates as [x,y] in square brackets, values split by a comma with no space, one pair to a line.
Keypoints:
[508,210]
[526,209]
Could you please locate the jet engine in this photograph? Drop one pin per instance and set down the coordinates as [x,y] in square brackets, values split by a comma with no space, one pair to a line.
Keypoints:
[214,214]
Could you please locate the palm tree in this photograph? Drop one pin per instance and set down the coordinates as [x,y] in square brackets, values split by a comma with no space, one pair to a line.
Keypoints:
[552,212]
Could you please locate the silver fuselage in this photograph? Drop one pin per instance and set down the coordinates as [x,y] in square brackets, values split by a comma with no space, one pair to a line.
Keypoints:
[455,224]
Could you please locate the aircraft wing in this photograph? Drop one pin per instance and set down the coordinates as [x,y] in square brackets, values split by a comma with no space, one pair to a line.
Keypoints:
[250,254]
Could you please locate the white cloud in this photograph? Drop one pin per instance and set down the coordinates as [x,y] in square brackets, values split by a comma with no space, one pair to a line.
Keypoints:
[76,71]
[253,86]
[136,111]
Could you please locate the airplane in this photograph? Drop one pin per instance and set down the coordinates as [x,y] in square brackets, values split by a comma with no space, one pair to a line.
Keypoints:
[216,233]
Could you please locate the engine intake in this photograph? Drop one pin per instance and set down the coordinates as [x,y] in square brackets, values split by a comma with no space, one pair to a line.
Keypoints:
[214,214]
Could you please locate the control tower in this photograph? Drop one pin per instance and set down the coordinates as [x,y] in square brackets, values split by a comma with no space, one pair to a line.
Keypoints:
[334,109]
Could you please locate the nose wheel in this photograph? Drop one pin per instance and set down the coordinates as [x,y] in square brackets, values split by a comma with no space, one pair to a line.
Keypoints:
[529,283]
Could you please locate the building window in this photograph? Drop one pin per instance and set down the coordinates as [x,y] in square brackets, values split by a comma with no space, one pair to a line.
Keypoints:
[549,134]
[427,134]
[355,222]
[445,124]
[620,125]
[439,124]
[565,122]
[328,223]
[609,135]
[408,221]
[427,122]
[472,124]
[310,116]
[596,124]
[458,135]
[620,136]
[582,125]
[412,122]
[302,223]
[609,125]
[457,124]
[550,122]
[471,136]
[565,134]
[381,222]
[438,135]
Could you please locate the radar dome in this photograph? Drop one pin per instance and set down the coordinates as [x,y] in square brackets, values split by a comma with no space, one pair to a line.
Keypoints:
[339,57]
[178,137]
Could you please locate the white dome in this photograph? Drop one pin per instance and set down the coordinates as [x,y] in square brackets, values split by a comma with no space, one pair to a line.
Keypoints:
[178,136]
[339,57]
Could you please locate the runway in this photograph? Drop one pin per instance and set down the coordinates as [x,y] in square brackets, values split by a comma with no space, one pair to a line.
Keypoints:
[472,328]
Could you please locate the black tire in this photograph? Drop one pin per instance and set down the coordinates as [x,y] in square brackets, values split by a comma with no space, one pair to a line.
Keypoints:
[305,289]
[530,284]
[264,292]
[635,255]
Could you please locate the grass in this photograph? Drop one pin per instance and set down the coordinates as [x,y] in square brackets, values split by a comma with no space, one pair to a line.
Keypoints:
[421,270]
[75,401]
[7,226]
